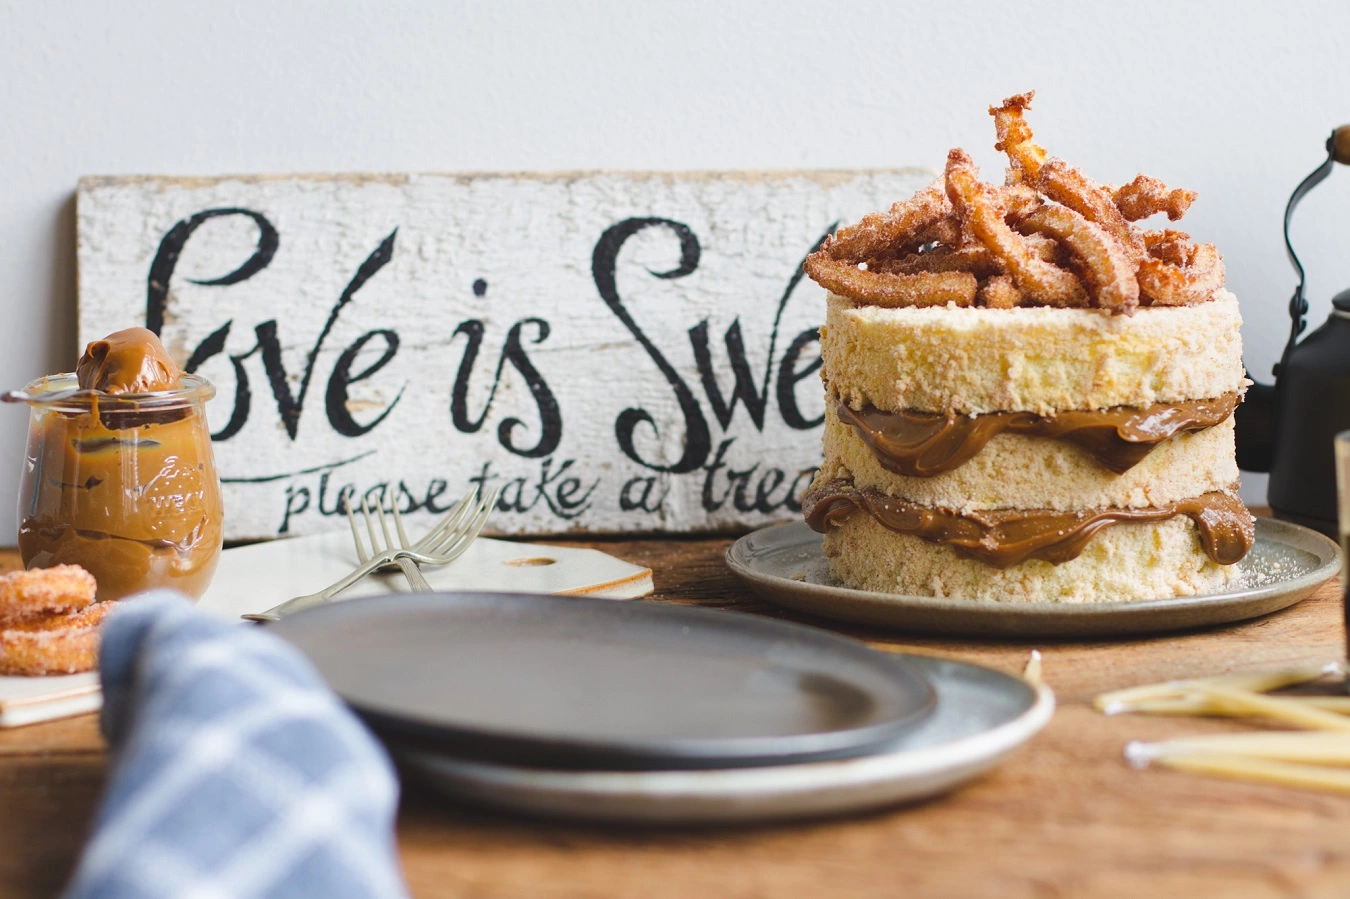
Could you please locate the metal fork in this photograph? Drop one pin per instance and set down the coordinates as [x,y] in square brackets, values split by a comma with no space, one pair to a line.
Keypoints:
[406,565]
[442,545]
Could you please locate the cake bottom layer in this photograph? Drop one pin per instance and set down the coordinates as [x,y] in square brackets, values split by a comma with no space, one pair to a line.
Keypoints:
[1127,561]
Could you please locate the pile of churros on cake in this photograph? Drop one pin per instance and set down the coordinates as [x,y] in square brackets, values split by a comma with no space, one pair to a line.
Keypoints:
[1049,236]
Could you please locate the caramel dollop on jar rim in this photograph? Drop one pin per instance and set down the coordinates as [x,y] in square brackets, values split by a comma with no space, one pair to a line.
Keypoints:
[63,393]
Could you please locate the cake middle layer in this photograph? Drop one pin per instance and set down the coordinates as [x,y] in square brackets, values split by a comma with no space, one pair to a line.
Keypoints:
[1017,471]
[923,444]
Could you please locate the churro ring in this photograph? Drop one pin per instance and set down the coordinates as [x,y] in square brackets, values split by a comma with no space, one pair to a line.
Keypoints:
[54,643]
[39,591]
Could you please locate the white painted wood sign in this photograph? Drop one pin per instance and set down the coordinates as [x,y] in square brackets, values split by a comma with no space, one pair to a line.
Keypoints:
[620,352]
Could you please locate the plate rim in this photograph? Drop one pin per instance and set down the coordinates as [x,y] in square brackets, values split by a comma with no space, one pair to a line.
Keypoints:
[771,586]
[640,754]
[962,759]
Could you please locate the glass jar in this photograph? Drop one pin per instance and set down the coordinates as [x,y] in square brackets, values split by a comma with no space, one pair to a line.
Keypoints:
[123,485]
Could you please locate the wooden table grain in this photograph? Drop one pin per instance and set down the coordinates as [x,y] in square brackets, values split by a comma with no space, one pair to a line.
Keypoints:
[1065,817]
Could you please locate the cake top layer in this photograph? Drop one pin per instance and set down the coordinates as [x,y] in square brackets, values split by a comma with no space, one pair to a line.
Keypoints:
[1049,236]
[973,361]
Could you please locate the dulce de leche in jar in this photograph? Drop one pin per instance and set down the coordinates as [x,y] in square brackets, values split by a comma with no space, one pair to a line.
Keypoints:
[119,477]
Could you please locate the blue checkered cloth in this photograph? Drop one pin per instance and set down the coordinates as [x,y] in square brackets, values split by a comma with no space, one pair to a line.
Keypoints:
[235,771]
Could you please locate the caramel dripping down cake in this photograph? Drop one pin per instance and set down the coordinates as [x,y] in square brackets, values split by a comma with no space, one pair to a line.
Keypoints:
[1028,397]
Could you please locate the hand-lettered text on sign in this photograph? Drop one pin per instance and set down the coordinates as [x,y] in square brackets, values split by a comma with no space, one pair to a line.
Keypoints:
[617,352]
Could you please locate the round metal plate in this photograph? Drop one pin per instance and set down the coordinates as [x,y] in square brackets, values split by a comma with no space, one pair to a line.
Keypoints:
[784,564]
[579,682]
[981,717]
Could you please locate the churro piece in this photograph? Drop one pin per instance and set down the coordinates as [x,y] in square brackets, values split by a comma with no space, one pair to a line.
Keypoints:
[977,260]
[891,289]
[38,591]
[983,215]
[1105,265]
[1065,184]
[877,232]
[999,292]
[1172,247]
[55,643]
[946,232]
[1146,196]
[1019,201]
[1025,156]
[1178,285]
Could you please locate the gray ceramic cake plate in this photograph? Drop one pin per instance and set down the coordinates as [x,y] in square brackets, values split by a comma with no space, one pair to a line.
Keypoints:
[784,564]
[981,717]
[575,682]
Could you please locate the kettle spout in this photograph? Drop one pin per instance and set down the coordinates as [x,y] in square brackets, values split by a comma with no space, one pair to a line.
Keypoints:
[1255,423]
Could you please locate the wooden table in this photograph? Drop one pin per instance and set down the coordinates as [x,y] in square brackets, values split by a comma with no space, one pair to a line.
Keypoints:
[1065,817]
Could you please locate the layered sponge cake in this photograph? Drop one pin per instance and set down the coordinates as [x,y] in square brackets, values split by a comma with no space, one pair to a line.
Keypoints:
[1018,411]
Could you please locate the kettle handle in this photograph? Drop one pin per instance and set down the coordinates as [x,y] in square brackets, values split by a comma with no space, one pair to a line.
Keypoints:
[1338,150]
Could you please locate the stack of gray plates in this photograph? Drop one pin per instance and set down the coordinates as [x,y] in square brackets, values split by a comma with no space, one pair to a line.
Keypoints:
[637,711]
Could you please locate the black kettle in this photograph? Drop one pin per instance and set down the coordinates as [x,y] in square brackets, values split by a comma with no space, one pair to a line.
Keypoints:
[1287,429]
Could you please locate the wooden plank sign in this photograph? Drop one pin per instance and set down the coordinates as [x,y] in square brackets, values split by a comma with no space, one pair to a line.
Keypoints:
[620,352]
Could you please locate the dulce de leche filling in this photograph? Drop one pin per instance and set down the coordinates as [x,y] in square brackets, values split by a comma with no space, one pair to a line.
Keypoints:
[125,488]
[1007,537]
[923,444]
[129,361]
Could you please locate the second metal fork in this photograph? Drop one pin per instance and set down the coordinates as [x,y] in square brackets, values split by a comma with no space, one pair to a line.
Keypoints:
[407,565]
[447,541]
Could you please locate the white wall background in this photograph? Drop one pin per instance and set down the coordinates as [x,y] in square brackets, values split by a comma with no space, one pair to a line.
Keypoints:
[1231,99]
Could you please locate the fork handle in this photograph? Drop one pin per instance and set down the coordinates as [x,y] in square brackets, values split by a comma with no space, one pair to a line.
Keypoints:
[276,613]
[413,574]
